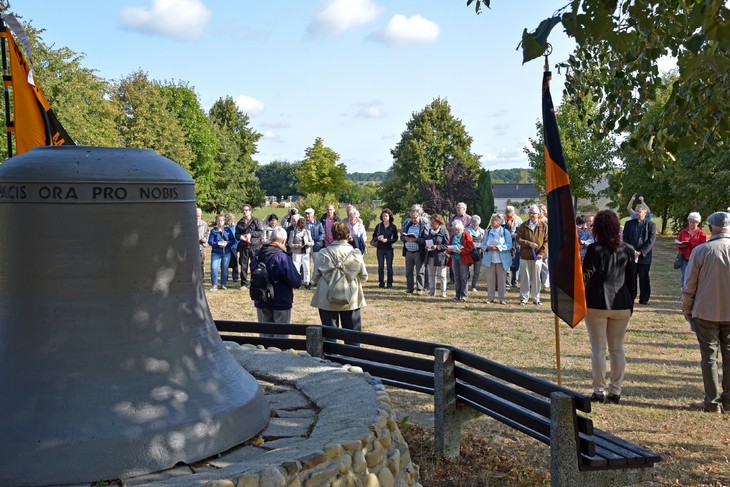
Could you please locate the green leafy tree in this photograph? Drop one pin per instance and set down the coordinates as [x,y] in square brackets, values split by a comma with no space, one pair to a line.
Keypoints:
[319,171]
[588,157]
[184,103]
[359,193]
[366,176]
[458,185]
[615,65]
[318,202]
[695,180]
[433,140]
[485,202]
[79,98]
[513,176]
[278,178]
[234,182]
[145,122]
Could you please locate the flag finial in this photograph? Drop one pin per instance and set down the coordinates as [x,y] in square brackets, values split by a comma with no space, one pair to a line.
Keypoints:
[548,51]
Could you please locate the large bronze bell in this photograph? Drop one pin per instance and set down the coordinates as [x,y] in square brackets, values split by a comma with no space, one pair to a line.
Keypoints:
[110,363]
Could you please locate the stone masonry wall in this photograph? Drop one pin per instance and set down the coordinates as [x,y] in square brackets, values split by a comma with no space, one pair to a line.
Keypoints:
[331,425]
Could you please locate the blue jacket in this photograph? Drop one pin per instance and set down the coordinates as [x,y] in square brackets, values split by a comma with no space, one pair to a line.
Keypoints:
[283,274]
[317,233]
[505,246]
[216,236]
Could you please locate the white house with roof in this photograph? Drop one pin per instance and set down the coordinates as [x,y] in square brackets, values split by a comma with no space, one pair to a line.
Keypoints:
[514,194]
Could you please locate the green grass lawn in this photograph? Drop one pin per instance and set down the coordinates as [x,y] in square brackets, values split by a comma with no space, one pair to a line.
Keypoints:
[662,376]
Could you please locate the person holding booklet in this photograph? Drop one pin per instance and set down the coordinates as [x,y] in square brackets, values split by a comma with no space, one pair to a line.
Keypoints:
[414,253]
[435,240]
[688,239]
[497,258]
[459,252]
[384,236]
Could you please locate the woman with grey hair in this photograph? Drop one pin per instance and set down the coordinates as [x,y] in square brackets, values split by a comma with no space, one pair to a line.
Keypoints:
[688,239]
[358,236]
[497,257]
[459,251]
[477,236]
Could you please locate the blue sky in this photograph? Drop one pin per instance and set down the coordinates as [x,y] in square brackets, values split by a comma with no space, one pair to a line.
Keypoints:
[349,71]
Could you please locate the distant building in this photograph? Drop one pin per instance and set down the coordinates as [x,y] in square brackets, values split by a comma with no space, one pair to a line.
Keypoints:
[601,203]
[515,195]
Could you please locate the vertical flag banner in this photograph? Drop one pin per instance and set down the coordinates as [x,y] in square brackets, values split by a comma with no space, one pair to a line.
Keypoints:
[567,296]
[34,123]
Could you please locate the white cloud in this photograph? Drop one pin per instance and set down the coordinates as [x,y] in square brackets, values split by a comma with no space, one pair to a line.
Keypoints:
[501,129]
[369,110]
[180,19]
[337,16]
[505,156]
[250,106]
[276,124]
[271,136]
[404,31]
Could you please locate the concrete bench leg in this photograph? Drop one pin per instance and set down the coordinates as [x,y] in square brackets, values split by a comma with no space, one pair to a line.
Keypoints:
[315,342]
[448,416]
[564,469]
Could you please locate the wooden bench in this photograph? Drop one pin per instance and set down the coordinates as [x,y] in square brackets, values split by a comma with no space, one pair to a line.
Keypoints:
[463,385]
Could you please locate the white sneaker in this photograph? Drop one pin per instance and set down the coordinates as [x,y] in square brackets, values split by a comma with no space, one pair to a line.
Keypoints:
[214,288]
[443,294]
[473,289]
[223,288]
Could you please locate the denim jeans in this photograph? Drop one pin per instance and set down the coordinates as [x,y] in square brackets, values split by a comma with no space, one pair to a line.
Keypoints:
[385,257]
[219,261]
[681,272]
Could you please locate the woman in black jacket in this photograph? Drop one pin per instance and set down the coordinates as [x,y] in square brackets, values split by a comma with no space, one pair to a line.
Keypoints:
[435,239]
[609,275]
[386,234]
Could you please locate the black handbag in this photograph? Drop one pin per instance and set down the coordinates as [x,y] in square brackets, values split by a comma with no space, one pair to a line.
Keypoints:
[476,255]
[678,261]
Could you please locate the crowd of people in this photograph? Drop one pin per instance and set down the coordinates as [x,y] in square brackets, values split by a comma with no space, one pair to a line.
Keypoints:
[327,253]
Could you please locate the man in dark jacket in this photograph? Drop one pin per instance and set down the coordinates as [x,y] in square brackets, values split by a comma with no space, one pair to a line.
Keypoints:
[283,276]
[248,235]
[640,233]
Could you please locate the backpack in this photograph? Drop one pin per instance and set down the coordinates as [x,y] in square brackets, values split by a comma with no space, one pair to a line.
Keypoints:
[260,288]
[341,287]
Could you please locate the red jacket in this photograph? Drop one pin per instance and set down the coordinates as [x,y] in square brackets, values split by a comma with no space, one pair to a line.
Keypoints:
[686,248]
[467,245]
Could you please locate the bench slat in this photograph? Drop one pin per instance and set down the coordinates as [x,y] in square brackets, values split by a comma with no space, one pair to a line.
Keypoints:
[380,357]
[399,374]
[632,459]
[509,422]
[648,455]
[505,391]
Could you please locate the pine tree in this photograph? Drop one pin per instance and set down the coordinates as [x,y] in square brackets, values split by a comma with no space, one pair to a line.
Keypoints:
[485,203]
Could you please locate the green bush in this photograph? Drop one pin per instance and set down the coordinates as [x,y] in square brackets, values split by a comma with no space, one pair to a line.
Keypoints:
[318,202]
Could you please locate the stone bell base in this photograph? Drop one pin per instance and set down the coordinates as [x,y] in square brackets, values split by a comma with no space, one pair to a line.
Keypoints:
[331,425]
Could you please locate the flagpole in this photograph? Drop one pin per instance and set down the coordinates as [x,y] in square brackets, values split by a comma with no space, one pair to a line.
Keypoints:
[549,50]
[6,77]
[557,349]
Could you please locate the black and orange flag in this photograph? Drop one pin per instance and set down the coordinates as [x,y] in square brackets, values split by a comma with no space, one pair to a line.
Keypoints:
[34,122]
[567,296]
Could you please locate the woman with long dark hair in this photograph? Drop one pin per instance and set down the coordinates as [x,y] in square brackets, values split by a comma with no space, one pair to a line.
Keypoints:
[609,275]
[385,235]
